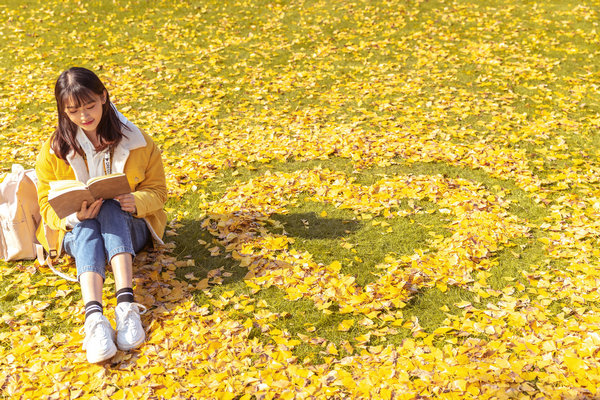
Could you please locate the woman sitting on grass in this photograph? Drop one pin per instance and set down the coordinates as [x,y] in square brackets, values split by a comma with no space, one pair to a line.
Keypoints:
[93,139]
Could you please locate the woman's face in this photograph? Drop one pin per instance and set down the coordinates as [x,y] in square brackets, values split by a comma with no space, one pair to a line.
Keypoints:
[86,116]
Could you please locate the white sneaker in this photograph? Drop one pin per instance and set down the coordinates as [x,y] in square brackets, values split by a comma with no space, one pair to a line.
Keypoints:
[130,333]
[99,341]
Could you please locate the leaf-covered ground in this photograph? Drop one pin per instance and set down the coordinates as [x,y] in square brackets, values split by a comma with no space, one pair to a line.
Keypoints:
[369,199]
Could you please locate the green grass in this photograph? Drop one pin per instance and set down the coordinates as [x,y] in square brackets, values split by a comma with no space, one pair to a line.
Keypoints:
[323,238]
[264,64]
[24,276]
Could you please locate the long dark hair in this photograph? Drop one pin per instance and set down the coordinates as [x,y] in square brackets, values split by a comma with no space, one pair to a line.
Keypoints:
[77,86]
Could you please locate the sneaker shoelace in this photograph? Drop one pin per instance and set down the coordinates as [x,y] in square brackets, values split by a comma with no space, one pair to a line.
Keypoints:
[93,331]
[125,320]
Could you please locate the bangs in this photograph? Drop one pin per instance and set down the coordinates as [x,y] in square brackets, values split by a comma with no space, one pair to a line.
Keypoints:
[78,96]
[75,88]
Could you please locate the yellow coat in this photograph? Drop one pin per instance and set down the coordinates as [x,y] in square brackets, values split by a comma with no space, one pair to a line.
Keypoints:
[136,155]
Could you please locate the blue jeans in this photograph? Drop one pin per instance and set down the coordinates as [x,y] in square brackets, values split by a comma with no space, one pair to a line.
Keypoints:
[93,242]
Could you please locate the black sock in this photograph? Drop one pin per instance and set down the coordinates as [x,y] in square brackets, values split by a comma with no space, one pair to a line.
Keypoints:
[125,295]
[92,307]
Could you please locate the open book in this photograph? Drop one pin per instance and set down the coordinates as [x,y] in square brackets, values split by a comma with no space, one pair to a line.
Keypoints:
[66,197]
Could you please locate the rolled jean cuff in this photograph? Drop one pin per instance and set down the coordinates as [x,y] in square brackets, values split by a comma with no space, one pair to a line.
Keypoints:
[90,268]
[119,250]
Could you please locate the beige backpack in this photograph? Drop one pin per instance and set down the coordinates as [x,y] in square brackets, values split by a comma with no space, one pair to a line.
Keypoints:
[20,218]
[19,215]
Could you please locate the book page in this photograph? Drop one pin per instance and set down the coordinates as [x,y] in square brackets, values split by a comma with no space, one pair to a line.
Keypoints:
[59,186]
[108,186]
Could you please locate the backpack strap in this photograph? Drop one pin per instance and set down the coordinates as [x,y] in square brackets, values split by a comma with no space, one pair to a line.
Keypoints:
[46,258]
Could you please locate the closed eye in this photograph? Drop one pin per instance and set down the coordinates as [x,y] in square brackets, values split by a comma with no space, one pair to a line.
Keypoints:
[89,106]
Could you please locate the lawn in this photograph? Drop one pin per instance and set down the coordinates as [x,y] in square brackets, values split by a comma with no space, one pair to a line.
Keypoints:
[368,199]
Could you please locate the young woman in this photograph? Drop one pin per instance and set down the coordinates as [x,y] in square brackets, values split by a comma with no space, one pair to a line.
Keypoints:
[93,139]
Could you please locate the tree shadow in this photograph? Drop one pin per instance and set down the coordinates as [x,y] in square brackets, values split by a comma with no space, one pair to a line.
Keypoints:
[309,225]
[165,280]
[208,243]
[202,244]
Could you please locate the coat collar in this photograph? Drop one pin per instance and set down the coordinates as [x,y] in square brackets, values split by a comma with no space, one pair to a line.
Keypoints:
[132,139]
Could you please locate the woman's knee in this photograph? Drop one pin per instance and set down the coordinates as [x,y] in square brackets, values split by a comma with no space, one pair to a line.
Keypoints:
[87,227]
[110,210]
[86,236]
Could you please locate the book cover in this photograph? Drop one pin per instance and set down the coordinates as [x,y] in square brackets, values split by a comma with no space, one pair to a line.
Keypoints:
[66,196]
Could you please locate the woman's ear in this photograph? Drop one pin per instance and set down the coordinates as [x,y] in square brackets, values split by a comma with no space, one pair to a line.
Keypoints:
[104,96]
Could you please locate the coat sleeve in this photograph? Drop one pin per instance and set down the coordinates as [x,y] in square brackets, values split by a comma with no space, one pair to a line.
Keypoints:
[45,170]
[151,194]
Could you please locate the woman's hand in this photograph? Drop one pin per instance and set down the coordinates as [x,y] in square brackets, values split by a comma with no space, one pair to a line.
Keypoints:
[127,202]
[90,212]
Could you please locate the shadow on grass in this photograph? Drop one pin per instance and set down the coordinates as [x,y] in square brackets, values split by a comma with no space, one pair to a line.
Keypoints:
[193,242]
[522,204]
[309,225]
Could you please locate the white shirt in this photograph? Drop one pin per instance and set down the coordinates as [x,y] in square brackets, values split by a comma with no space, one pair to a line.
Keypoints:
[95,159]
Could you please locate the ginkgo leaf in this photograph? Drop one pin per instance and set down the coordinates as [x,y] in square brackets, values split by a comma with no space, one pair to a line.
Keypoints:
[345,325]
[474,122]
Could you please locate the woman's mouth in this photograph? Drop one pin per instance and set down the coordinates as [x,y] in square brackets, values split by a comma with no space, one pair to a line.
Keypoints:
[88,123]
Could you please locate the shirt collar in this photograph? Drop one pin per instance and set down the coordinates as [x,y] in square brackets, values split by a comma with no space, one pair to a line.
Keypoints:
[84,141]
